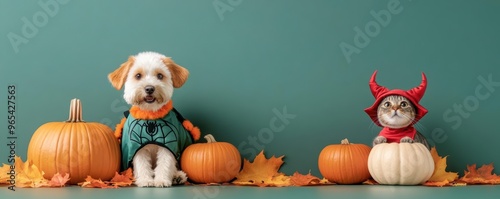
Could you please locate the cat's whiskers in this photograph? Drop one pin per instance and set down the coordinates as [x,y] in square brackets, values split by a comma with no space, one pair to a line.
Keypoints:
[417,125]
[420,127]
[373,127]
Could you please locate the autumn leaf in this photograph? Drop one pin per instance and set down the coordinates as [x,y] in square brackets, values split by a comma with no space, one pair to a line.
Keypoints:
[4,174]
[278,180]
[124,179]
[370,182]
[440,176]
[58,180]
[128,173]
[483,175]
[94,183]
[458,184]
[28,174]
[262,172]
[298,179]
[325,181]
[437,183]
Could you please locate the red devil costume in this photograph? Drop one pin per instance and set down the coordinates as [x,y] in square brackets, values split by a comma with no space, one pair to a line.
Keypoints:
[414,95]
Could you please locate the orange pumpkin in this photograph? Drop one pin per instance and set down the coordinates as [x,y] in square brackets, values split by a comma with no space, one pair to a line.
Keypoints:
[345,163]
[75,147]
[211,162]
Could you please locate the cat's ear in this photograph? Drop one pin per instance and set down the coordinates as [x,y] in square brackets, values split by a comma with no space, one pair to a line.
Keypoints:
[376,89]
[418,92]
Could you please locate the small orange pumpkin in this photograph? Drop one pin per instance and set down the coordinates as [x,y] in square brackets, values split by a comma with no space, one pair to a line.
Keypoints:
[211,162]
[75,147]
[345,163]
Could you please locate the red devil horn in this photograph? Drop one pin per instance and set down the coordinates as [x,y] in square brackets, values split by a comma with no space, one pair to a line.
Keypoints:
[375,88]
[418,92]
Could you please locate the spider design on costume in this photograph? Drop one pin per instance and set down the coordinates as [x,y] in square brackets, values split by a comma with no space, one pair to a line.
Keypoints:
[157,131]
[167,132]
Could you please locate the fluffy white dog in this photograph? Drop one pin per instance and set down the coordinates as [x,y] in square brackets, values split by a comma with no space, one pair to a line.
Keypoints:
[152,134]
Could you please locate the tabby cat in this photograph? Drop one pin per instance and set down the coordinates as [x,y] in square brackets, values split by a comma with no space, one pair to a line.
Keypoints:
[397,112]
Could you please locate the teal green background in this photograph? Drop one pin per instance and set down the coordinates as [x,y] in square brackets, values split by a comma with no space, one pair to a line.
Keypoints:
[263,57]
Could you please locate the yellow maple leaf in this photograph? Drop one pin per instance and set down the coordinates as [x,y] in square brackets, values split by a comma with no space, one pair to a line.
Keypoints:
[4,174]
[28,174]
[262,172]
[440,174]
[278,180]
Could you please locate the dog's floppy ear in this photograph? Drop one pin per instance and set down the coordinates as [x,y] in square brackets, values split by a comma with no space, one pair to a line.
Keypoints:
[118,77]
[179,73]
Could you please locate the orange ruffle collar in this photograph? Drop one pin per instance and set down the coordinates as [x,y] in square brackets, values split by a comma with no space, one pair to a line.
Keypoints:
[151,115]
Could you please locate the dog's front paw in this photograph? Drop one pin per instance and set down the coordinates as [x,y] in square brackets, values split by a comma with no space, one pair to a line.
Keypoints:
[406,139]
[180,177]
[379,140]
[161,182]
[144,183]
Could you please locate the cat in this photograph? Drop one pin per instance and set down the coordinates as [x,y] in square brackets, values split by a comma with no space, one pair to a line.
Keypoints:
[397,112]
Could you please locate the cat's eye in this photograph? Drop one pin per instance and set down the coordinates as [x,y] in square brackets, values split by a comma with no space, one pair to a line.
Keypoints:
[404,104]
[387,104]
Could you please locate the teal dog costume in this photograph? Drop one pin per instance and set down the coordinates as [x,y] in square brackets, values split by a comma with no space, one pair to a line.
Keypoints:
[140,128]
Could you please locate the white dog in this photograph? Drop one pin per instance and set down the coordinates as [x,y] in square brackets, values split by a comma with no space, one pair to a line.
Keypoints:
[152,134]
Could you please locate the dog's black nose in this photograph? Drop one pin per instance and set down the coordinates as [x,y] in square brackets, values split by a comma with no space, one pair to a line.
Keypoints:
[149,89]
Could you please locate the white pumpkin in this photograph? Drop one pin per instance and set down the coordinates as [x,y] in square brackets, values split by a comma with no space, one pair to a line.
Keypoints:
[400,163]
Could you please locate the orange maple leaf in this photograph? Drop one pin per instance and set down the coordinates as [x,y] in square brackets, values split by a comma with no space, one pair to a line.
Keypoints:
[128,173]
[58,180]
[122,180]
[440,176]
[483,175]
[437,184]
[262,172]
[28,174]
[4,174]
[94,183]
[298,179]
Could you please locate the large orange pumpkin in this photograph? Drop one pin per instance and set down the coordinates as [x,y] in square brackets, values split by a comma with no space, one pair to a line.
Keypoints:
[211,162]
[345,163]
[76,147]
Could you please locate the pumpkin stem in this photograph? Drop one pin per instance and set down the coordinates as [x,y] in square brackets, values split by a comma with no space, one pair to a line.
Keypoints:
[210,138]
[75,111]
[345,141]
